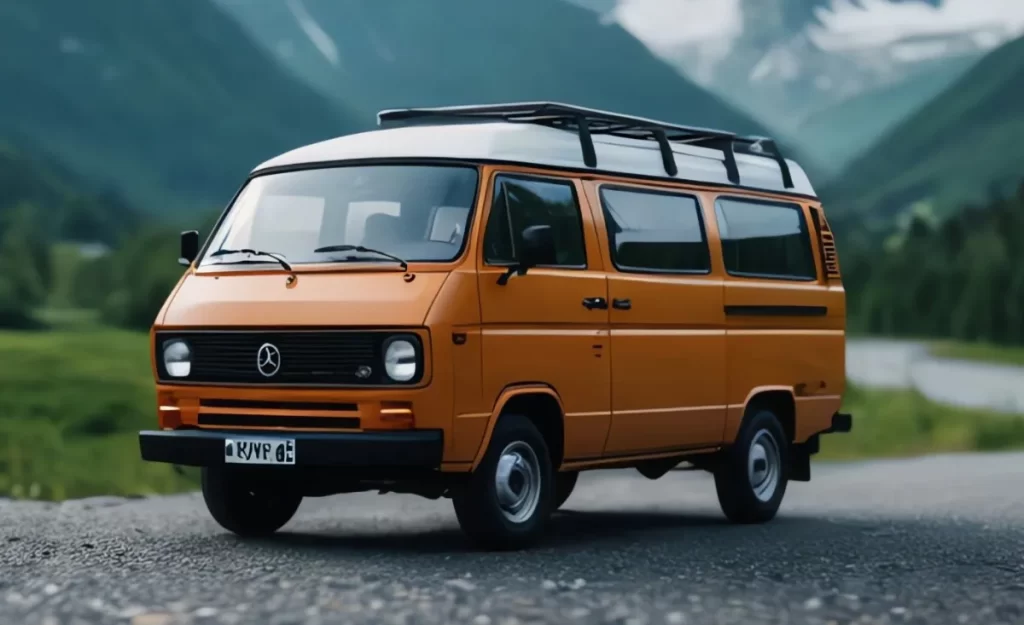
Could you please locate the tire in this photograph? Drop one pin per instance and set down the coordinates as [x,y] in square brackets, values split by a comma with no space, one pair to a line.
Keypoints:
[247,507]
[479,507]
[565,483]
[748,491]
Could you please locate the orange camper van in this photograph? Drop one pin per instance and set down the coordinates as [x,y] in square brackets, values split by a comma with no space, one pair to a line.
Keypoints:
[479,302]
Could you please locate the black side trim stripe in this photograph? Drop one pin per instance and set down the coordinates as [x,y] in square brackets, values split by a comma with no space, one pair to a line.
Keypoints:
[776,311]
[256,404]
[240,420]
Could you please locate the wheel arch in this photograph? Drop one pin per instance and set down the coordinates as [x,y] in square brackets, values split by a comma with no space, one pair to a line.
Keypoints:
[781,400]
[538,402]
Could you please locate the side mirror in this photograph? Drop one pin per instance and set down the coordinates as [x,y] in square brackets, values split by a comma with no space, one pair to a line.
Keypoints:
[189,247]
[538,247]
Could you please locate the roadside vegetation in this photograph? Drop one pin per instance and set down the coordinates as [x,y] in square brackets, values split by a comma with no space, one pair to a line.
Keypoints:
[72,400]
[958,279]
[981,352]
[905,423]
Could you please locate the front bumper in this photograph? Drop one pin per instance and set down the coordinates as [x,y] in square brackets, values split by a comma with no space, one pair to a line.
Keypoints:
[399,449]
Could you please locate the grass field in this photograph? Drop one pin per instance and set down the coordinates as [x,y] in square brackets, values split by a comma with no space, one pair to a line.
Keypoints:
[73,398]
[71,402]
[981,352]
[904,423]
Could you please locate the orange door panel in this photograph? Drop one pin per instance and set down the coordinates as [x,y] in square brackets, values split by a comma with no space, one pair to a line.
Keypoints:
[536,329]
[667,322]
[668,364]
[786,335]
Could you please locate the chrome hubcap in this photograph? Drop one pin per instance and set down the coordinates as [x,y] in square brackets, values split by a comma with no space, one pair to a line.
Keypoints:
[517,482]
[764,465]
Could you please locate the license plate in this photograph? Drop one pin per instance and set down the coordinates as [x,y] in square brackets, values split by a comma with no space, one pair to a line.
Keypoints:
[259,451]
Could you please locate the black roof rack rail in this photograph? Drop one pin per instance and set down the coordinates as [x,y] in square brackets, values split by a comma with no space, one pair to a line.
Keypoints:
[587,122]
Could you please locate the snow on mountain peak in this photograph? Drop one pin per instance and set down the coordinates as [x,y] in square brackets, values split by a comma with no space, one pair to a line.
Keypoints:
[860,24]
[711,28]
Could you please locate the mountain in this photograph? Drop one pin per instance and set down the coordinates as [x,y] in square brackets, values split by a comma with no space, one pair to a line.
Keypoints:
[64,206]
[403,53]
[965,145]
[834,136]
[603,7]
[798,65]
[169,101]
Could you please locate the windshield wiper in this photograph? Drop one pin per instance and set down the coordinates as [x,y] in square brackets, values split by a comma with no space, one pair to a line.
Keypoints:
[364,250]
[278,257]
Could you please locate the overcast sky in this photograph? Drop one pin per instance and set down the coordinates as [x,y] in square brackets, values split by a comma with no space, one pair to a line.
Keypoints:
[664,24]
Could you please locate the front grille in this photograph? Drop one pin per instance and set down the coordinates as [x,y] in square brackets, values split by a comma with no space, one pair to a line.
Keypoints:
[305,357]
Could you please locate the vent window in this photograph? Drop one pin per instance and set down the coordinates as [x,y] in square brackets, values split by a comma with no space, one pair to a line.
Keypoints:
[827,241]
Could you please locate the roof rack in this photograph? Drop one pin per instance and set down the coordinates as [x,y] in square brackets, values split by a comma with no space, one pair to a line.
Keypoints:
[588,122]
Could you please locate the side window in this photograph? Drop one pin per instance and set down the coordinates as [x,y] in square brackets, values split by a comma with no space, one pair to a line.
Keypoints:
[765,239]
[654,231]
[520,203]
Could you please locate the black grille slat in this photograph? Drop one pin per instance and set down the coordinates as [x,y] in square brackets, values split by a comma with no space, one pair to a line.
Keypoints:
[307,357]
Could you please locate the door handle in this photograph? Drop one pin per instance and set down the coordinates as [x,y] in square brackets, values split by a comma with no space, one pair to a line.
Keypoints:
[598,303]
[622,304]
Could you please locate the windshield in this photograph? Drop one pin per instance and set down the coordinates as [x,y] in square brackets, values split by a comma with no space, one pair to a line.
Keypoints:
[413,212]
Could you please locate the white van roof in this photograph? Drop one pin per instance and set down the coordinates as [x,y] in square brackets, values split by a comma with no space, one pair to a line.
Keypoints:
[564,137]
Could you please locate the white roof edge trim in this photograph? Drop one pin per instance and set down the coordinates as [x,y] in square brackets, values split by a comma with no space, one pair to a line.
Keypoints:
[543,146]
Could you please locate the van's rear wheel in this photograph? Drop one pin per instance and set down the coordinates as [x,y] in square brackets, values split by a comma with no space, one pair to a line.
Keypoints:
[246,506]
[752,477]
[510,496]
[565,483]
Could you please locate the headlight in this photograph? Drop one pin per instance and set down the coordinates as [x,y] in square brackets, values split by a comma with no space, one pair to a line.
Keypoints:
[177,358]
[400,360]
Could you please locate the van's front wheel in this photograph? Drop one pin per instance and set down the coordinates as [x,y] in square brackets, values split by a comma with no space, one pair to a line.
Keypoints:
[752,477]
[245,506]
[510,496]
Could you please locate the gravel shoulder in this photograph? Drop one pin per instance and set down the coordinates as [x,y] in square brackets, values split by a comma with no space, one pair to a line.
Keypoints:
[930,540]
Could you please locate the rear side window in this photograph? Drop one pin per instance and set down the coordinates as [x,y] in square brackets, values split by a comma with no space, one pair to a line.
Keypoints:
[523,202]
[656,232]
[765,239]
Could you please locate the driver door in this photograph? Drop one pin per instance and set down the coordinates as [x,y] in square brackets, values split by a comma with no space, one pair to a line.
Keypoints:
[549,326]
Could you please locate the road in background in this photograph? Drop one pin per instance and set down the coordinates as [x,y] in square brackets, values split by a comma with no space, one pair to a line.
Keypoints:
[934,540]
[881,363]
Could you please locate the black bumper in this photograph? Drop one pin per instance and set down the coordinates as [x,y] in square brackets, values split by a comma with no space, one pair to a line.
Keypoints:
[841,422]
[399,449]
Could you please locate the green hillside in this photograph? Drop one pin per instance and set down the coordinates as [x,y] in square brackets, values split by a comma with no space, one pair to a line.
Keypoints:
[399,53]
[63,205]
[168,101]
[963,146]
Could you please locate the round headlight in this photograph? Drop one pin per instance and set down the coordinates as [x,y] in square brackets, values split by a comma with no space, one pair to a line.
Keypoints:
[400,360]
[177,358]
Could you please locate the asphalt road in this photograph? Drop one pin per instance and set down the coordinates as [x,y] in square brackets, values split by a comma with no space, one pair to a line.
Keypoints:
[881,363]
[933,540]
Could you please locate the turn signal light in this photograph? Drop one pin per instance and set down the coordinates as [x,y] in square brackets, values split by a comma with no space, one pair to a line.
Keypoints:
[397,413]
